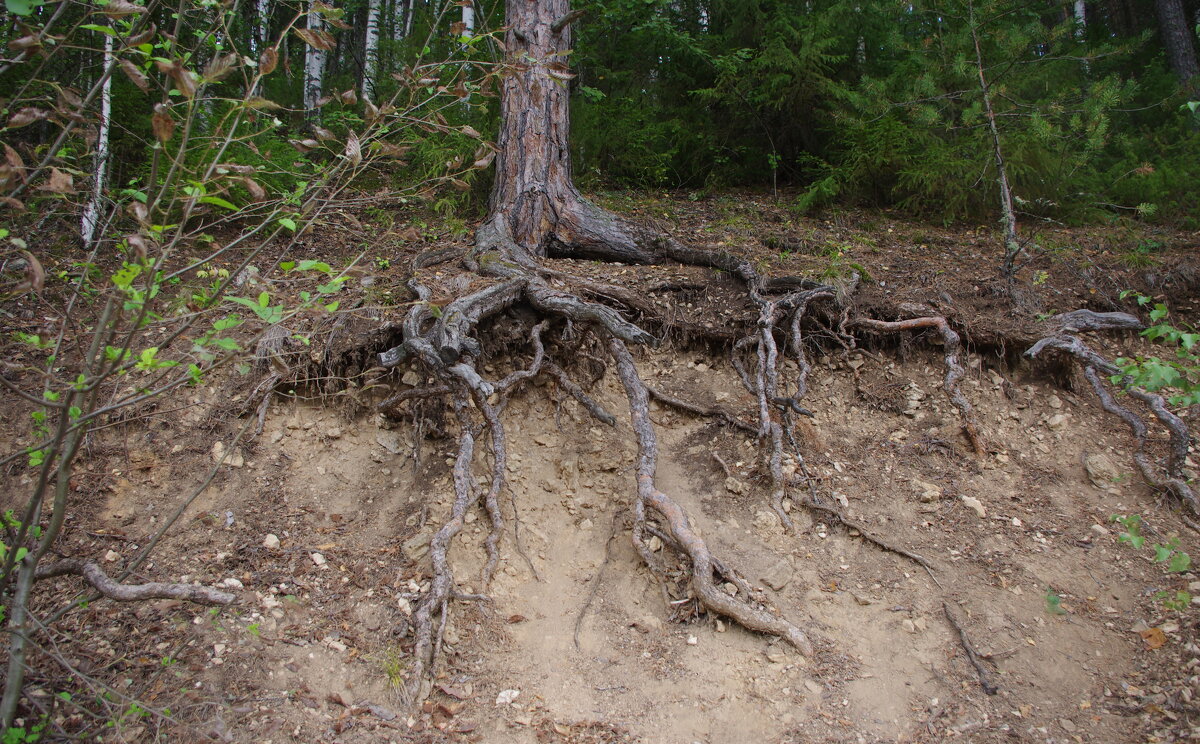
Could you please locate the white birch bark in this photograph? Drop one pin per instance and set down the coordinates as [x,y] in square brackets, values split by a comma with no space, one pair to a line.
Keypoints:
[91,211]
[262,26]
[1080,18]
[371,48]
[468,19]
[314,66]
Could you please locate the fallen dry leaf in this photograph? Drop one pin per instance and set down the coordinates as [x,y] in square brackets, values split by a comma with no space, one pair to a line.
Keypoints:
[1154,637]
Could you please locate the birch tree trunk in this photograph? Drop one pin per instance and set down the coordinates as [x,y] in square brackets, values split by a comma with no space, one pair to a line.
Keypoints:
[262,26]
[468,20]
[371,49]
[314,66]
[92,210]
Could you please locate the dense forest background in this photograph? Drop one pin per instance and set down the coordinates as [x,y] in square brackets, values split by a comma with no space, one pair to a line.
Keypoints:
[857,102]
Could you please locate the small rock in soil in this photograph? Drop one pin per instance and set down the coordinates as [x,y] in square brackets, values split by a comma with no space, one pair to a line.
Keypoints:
[415,547]
[975,505]
[390,442]
[271,542]
[929,491]
[765,521]
[318,559]
[507,696]
[735,486]
[778,576]
[1103,473]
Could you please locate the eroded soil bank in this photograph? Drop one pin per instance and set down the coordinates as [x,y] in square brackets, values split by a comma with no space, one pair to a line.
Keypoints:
[321,525]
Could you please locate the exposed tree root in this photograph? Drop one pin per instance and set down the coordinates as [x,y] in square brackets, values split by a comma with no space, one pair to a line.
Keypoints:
[985,677]
[1173,479]
[103,583]
[954,370]
[530,220]
[676,520]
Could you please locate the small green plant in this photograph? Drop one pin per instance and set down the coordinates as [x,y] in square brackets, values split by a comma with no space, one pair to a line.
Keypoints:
[1054,603]
[1142,255]
[1173,559]
[391,662]
[1180,602]
[19,735]
[1133,530]
[1179,376]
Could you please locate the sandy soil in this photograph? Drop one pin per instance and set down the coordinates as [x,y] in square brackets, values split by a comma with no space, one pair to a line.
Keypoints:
[321,526]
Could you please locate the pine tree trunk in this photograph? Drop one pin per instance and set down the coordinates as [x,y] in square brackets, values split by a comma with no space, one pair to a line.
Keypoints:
[533,187]
[1177,39]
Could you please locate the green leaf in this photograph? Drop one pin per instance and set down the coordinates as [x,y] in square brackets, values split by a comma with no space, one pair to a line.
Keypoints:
[288,222]
[315,266]
[1180,562]
[287,265]
[1161,553]
[22,7]
[227,344]
[218,201]
[102,29]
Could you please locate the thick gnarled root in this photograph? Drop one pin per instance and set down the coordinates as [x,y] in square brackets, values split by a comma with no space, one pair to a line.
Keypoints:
[677,522]
[1172,477]
[954,370]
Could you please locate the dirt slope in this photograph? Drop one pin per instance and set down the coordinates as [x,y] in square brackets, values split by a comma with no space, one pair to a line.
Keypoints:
[321,526]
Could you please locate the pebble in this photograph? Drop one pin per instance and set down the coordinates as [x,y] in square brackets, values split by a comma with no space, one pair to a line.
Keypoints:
[1057,421]
[929,491]
[411,378]
[271,542]
[318,559]
[976,505]
[506,697]
[693,640]
[779,575]
[112,555]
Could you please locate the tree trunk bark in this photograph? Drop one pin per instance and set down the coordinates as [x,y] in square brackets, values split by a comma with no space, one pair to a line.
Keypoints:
[533,187]
[314,67]
[535,207]
[1177,39]
[92,211]
[371,50]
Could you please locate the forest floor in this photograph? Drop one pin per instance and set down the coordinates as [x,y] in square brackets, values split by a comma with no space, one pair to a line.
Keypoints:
[321,525]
